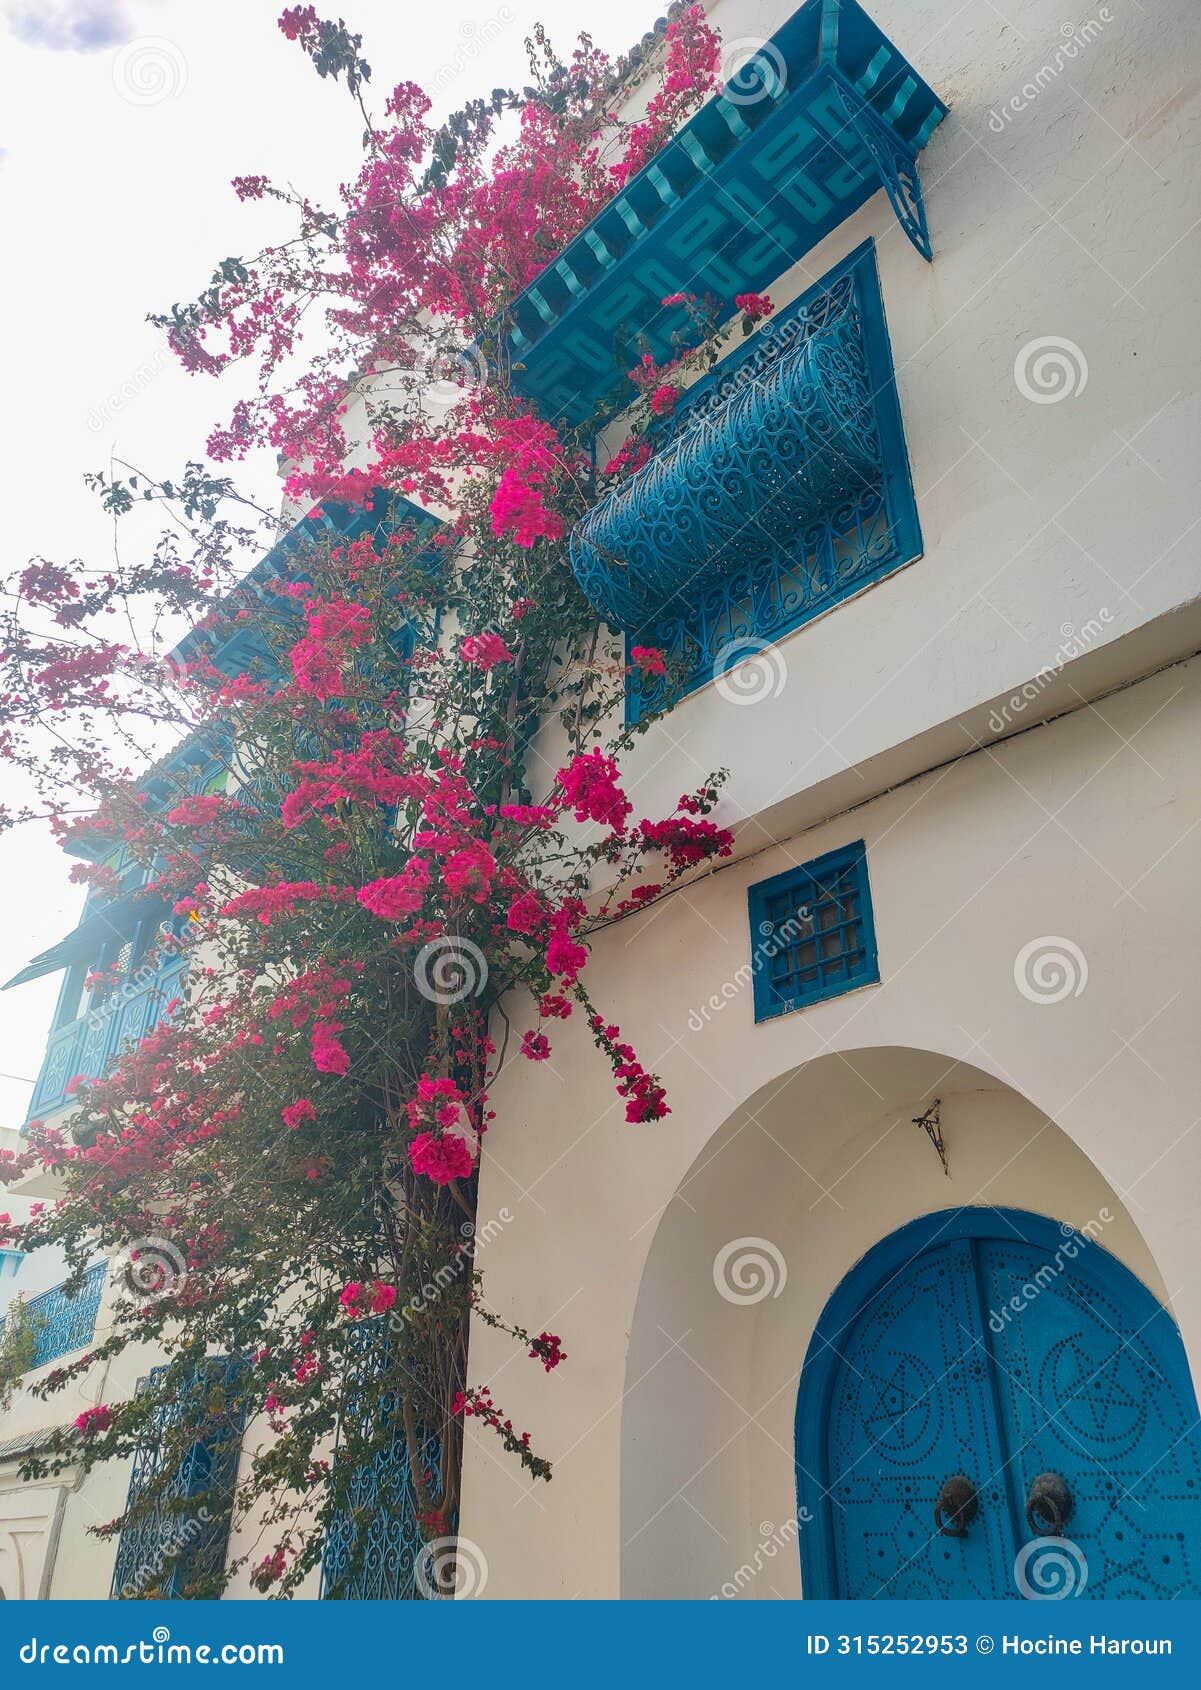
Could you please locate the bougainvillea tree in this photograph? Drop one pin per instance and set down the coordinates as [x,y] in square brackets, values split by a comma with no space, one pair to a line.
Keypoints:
[417,817]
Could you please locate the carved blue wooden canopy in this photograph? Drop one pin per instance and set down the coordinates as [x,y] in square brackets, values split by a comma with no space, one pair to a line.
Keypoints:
[823,115]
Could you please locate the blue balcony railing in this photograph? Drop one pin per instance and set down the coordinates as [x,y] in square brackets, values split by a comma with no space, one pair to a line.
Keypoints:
[61,1323]
[783,488]
[91,1044]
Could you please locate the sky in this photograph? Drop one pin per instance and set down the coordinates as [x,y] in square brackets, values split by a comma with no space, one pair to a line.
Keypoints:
[121,124]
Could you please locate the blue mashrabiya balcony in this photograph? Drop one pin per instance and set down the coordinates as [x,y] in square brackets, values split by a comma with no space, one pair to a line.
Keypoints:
[246,648]
[782,488]
[826,113]
[62,1324]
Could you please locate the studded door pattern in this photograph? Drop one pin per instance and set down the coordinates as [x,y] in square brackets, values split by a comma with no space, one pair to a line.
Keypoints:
[911,1406]
[1092,1390]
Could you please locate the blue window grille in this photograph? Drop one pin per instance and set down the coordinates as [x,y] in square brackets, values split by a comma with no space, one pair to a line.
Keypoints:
[60,1323]
[781,489]
[372,1546]
[812,932]
[184,1476]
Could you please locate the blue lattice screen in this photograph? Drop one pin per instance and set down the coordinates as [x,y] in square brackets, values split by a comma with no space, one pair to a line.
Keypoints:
[783,489]
[186,1469]
[60,1323]
[812,932]
[371,1546]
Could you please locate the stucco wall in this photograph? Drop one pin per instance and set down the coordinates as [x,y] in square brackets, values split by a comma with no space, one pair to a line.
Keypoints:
[1084,829]
[1077,221]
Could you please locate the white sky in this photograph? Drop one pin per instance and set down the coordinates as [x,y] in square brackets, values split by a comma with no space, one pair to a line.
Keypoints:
[121,123]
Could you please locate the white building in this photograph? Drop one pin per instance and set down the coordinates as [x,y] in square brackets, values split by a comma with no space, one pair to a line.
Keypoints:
[921,1230]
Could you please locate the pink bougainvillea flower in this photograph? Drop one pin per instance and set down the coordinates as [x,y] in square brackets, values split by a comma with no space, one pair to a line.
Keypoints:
[754,304]
[398,894]
[440,1159]
[295,1113]
[94,1420]
[526,914]
[649,659]
[330,1056]
[535,1045]
[485,651]
[590,786]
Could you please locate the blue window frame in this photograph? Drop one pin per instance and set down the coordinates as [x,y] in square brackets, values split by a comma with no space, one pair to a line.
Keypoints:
[184,1477]
[812,932]
[372,1546]
[781,487]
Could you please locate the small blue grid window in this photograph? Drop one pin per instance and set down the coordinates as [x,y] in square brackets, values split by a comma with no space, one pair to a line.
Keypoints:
[812,933]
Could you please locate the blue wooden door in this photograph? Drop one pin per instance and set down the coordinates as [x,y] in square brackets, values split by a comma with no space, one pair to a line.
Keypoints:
[911,1407]
[1034,1367]
[1094,1388]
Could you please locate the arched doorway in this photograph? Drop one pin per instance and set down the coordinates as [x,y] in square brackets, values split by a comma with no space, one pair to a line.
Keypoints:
[992,1405]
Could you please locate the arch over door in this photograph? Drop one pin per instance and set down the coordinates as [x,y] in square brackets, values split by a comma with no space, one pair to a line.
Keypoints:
[998,1346]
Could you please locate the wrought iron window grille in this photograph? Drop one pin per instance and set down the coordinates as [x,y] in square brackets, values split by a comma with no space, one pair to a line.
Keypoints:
[184,1477]
[372,1547]
[782,488]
